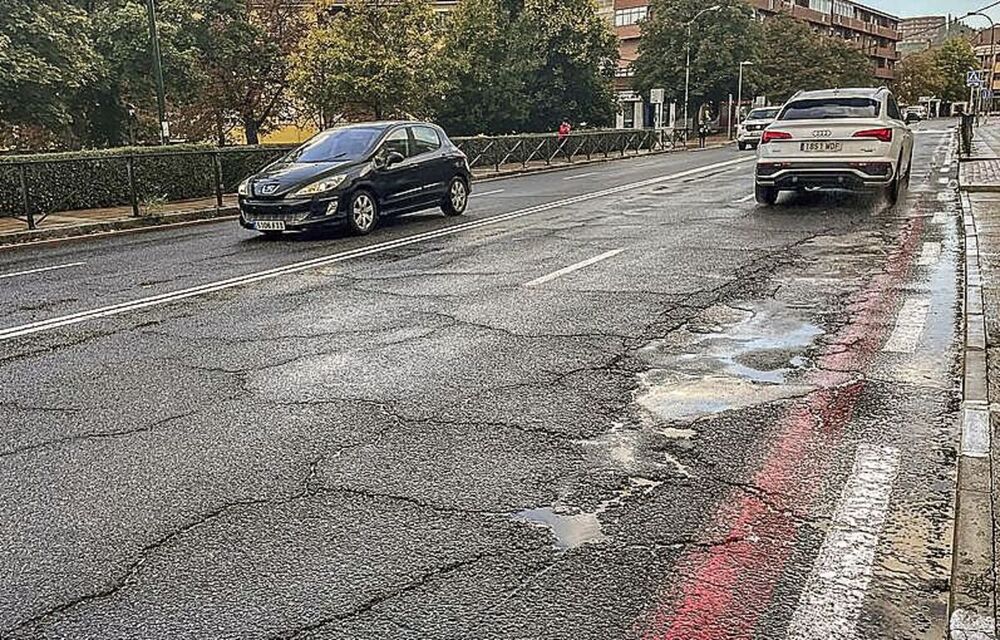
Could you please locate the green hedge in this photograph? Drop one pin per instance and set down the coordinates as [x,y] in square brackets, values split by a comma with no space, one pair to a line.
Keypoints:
[95,179]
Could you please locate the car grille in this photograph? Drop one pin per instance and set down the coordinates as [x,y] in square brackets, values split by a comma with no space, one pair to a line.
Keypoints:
[254,216]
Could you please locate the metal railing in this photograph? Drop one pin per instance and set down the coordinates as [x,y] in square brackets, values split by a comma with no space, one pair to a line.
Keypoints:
[33,187]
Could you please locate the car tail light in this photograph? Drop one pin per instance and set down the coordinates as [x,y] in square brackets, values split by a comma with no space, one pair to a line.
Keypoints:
[774,135]
[882,135]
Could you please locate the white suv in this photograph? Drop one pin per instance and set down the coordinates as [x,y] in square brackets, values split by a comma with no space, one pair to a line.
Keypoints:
[838,139]
[749,131]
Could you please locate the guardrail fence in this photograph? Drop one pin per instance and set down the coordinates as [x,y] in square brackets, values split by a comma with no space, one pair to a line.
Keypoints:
[32,187]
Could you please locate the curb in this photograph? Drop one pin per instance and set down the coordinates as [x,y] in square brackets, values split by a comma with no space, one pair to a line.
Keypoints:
[143,223]
[972,609]
[147,223]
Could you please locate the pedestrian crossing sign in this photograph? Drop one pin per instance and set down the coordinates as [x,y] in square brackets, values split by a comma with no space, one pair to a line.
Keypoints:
[973,79]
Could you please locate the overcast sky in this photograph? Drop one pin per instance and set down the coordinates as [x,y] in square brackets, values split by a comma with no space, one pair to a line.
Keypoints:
[936,7]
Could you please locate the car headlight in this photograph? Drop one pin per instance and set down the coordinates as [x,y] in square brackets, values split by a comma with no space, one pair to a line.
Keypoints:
[244,188]
[320,186]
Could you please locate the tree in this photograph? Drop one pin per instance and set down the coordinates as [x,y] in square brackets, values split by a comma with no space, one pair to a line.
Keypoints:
[919,75]
[820,62]
[378,58]
[526,65]
[577,54]
[46,56]
[244,51]
[486,63]
[954,59]
[720,40]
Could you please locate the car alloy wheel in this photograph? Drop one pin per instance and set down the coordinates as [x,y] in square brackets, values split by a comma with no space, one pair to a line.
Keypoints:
[457,198]
[363,212]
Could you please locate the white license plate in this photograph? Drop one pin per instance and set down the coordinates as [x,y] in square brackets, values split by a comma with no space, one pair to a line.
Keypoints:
[269,225]
[820,147]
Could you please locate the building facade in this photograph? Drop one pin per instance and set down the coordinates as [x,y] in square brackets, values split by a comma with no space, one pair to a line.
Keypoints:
[874,32]
[923,32]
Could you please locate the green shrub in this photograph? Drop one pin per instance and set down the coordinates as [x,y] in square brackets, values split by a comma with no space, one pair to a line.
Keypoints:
[96,179]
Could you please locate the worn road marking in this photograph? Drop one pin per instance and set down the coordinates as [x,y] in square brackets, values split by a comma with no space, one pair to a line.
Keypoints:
[909,325]
[944,180]
[929,254]
[830,604]
[322,261]
[582,175]
[486,193]
[573,267]
[940,217]
[40,270]
[747,198]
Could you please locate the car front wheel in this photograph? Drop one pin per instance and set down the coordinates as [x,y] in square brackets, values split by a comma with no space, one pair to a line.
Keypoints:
[457,198]
[362,213]
[765,195]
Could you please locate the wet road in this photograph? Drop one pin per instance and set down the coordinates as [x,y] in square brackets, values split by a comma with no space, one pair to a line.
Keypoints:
[612,402]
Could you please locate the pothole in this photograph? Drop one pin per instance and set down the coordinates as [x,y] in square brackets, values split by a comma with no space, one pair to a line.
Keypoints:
[572,527]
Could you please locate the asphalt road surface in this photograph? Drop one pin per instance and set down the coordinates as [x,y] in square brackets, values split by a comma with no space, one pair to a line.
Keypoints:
[616,401]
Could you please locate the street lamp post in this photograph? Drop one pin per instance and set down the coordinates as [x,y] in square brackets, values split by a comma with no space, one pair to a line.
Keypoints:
[739,91]
[993,54]
[687,63]
[161,102]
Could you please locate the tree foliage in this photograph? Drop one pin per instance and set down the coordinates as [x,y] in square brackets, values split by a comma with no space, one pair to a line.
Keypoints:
[918,75]
[376,57]
[46,57]
[954,59]
[719,41]
[820,62]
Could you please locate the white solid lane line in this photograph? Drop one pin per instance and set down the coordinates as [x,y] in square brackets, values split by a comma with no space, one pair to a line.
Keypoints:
[573,267]
[296,267]
[830,604]
[40,270]
[746,198]
[486,193]
[582,175]
[909,325]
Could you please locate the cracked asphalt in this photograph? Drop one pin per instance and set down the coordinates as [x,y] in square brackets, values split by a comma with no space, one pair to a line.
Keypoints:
[740,425]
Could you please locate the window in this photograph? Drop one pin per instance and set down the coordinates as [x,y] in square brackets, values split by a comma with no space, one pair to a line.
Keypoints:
[425,139]
[830,108]
[893,109]
[397,141]
[626,17]
[339,144]
[763,114]
[823,6]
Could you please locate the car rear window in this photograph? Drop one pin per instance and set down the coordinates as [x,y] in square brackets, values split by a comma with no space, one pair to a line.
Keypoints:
[762,114]
[827,108]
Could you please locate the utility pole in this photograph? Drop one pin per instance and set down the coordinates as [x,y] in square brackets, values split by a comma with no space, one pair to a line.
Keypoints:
[739,91]
[161,101]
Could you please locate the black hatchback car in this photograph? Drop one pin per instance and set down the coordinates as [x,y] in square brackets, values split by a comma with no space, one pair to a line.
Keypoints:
[353,175]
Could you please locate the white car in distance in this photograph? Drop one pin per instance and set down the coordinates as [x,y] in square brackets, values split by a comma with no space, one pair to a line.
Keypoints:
[749,131]
[852,139]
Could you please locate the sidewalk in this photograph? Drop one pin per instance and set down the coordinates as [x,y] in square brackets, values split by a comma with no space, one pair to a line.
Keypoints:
[975,570]
[94,221]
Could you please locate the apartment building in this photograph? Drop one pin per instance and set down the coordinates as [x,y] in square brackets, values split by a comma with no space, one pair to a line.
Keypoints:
[874,32]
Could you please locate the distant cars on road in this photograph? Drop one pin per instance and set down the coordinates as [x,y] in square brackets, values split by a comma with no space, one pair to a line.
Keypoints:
[355,175]
[915,113]
[852,139]
[749,131]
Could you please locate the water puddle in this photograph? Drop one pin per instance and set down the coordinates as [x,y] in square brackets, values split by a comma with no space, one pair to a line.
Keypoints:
[572,527]
[731,357]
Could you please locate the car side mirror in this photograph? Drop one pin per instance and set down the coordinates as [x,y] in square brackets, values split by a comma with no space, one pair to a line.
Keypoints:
[386,160]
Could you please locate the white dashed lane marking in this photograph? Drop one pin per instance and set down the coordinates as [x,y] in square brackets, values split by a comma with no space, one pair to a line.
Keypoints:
[40,270]
[909,325]
[573,267]
[929,254]
[830,604]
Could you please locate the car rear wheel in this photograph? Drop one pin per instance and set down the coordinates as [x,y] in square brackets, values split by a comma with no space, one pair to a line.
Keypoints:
[362,213]
[742,146]
[892,191]
[457,198]
[765,195]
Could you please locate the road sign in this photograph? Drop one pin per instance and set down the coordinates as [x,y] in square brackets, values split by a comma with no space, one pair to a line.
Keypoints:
[973,79]
[656,96]
[986,93]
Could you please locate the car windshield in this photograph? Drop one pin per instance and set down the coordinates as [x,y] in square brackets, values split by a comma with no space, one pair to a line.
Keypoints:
[336,145]
[763,114]
[830,108]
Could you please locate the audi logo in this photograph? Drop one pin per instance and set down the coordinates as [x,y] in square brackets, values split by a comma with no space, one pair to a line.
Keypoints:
[822,133]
